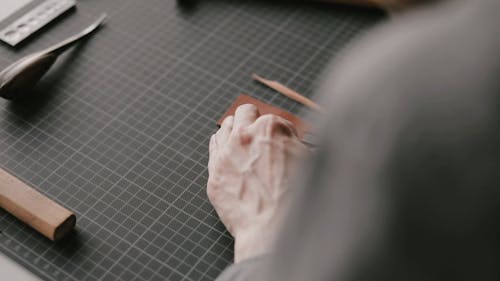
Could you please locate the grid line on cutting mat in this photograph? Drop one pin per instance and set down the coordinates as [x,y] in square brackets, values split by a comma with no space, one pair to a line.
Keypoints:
[122,139]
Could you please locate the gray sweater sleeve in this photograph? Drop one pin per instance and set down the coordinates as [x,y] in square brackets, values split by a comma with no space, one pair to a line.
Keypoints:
[404,185]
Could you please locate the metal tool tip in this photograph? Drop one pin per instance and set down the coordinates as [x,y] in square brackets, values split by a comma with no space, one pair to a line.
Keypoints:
[102,19]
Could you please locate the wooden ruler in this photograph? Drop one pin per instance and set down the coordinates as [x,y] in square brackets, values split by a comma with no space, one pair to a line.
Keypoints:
[35,209]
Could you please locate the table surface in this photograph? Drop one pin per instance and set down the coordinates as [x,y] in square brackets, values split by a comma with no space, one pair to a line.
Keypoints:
[13,271]
[118,130]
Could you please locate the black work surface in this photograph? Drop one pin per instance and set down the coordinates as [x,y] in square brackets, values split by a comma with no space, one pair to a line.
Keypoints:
[118,131]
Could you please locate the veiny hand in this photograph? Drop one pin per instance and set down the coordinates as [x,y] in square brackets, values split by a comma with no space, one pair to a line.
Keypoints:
[251,162]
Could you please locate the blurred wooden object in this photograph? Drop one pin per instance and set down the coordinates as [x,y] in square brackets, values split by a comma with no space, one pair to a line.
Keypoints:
[35,209]
[288,92]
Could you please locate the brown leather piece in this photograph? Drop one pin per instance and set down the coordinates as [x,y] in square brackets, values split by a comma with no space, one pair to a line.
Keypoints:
[265,108]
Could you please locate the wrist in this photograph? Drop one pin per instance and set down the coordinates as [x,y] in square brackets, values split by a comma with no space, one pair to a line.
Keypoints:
[249,244]
[259,236]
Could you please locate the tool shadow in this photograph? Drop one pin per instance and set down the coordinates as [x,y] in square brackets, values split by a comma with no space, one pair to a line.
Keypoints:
[29,107]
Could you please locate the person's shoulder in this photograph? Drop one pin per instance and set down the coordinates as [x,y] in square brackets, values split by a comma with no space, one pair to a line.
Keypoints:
[443,50]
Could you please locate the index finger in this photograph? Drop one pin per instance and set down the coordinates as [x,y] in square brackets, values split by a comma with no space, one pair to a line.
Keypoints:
[245,115]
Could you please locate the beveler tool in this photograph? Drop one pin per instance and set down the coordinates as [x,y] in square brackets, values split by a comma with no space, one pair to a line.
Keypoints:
[282,89]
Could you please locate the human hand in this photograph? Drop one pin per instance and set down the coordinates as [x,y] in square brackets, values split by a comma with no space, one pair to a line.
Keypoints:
[251,161]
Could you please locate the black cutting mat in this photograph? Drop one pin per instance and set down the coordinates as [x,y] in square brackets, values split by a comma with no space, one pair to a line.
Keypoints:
[118,132]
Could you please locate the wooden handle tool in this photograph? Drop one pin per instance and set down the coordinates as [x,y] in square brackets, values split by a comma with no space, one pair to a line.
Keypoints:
[288,92]
[30,206]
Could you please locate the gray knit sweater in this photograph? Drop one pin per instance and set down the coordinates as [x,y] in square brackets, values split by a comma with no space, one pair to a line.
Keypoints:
[406,182]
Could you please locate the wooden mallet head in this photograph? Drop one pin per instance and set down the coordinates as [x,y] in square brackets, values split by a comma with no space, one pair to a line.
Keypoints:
[35,209]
